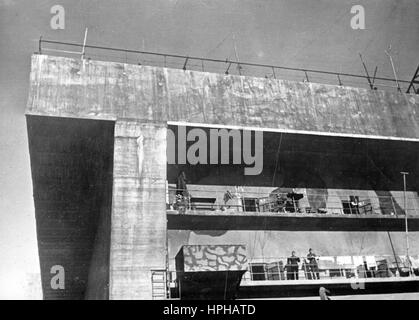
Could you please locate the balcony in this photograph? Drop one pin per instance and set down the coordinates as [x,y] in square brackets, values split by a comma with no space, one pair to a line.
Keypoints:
[264,208]
[342,275]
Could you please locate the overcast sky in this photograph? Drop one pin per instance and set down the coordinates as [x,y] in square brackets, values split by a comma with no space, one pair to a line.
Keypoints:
[298,33]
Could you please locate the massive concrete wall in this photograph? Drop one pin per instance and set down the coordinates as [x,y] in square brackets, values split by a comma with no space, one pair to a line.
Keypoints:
[93,89]
[65,87]
[138,236]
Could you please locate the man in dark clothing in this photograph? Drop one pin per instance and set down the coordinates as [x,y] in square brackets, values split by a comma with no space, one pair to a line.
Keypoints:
[292,267]
[181,188]
[182,194]
[312,264]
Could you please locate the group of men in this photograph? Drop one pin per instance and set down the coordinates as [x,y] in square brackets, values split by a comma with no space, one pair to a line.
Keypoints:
[310,266]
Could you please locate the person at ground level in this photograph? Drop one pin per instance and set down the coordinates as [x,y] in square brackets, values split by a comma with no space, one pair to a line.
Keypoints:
[323,293]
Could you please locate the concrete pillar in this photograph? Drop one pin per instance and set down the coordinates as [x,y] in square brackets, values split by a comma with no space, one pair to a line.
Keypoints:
[138,236]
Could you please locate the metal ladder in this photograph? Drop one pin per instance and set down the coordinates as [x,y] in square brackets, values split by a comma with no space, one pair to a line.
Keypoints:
[159,285]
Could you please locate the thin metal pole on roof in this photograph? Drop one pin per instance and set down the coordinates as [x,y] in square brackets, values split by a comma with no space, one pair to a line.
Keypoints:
[366,72]
[236,54]
[240,63]
[392,65]
[40,45]
[84,43]
[404,174]
[340,81]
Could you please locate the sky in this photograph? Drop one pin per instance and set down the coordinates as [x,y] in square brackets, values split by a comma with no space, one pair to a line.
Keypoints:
[313,34]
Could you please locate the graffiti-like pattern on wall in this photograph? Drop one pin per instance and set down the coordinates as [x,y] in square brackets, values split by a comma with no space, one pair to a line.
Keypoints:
[192,258]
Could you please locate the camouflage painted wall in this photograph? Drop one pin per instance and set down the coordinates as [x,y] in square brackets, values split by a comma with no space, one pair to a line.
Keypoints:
[192,258]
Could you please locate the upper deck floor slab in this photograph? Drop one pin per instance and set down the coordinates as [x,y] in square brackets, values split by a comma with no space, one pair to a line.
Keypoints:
[209,220]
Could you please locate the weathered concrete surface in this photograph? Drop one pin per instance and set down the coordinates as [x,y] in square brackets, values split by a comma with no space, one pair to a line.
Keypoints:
[70,87]
[138,236]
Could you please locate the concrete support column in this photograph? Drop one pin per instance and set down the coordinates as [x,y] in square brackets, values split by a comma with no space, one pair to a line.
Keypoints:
[138,236]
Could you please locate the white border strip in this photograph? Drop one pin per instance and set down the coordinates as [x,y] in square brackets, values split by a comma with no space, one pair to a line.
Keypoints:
[317,133]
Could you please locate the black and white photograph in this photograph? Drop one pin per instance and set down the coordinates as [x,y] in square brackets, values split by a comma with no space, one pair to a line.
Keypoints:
[226,151]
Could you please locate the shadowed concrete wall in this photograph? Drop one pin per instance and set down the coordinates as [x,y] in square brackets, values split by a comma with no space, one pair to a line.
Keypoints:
[71,164]
[138,237]
[98,280]
[93,89]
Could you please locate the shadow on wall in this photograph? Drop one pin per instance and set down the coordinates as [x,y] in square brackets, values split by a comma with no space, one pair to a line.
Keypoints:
[314,162]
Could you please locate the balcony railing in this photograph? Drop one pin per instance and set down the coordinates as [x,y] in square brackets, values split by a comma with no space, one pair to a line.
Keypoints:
[226,66]
[326,269]
[332,268]
[227,200]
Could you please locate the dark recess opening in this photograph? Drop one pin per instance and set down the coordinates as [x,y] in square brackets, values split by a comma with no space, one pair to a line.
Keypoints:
[311,161]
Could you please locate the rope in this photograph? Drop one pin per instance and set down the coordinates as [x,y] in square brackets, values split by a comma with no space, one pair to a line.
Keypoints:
[277,160]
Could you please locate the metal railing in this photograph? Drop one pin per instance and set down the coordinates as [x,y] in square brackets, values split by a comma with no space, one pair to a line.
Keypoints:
[332,267]
[226,200]
[326,268]
[226,66]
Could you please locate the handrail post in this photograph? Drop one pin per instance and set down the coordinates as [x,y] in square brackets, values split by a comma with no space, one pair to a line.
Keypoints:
[184,65]
[40,45]
[84,44]
[228,68]
[340,81]
[305,72]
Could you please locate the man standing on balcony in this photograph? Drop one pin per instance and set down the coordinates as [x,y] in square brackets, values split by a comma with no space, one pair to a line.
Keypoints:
[312,264]
[181,188]
[292,267]
[182,194]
